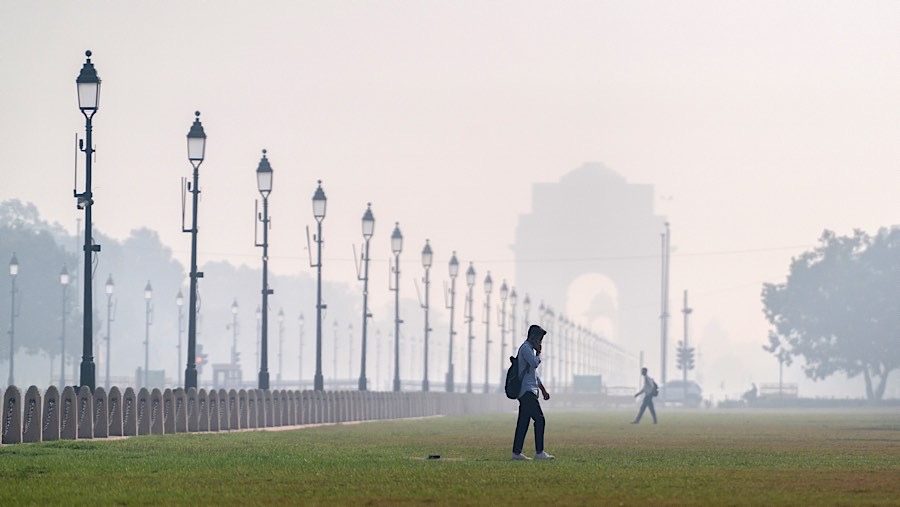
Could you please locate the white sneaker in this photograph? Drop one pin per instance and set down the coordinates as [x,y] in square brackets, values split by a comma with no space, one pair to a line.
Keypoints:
[544,455]
[519,457]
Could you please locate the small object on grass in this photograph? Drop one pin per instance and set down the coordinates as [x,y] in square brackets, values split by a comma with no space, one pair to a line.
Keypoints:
[434,456]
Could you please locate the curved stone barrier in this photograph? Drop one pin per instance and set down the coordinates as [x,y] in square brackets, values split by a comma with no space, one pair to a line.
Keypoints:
[31,417]
[80,414]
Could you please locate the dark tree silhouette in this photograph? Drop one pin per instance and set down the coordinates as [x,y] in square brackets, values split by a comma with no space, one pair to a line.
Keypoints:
[840,308]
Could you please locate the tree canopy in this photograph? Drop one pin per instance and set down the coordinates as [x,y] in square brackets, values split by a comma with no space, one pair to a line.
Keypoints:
[840,308]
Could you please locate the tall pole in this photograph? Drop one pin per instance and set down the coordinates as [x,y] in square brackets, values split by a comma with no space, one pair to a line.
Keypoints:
[365,318]
[504,292]
[258,330]
[488,284]
[526,309]
[179,302]
[349,349]
[280,345]
[196,140]
[426,263]
[300,355]
[319,380]
[470,281]
[234,333]
[368,228]
[396,247]
[686,311]
[148,295]
[513,300]
[396,290]
[664,312]
[88,101]
[334,355]
[319,202]
[109,293]
[13,271]
[454,270]
[264,351]
[64,281]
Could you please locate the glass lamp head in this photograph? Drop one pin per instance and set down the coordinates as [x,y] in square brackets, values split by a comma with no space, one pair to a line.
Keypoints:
[14,265]
[454,265]
[427,255]
[319,201]
[88,87]
[470,275]
[264,176]
[396,239]
[196,141]
[368,222]
[110,286]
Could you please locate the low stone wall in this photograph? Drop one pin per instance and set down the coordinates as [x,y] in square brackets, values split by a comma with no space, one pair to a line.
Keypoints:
[85,415]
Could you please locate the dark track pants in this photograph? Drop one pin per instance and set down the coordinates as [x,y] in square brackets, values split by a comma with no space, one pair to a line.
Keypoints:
[529,409]
[647,403]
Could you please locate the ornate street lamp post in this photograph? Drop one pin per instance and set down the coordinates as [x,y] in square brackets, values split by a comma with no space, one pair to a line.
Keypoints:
[368,228]
[488,286]
[13,272]
[196,144]
[454,270]
[396,247]
[470,282]
[264,184]
[110,287]
[88,101]
[148,319]
[319,202]
[64,282]
[426,263]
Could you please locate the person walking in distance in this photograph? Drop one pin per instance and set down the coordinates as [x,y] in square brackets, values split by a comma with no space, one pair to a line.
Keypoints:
[650,390]
[529,407]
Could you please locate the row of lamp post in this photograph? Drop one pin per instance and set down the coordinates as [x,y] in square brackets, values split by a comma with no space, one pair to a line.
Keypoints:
[88,87]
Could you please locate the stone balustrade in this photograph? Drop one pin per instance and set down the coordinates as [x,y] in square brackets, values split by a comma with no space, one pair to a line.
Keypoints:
[81,414]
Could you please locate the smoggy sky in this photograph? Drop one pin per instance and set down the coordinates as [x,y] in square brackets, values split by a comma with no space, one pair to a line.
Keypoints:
[759,123]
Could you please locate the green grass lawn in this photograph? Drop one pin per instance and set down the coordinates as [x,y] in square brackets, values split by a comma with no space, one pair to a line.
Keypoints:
[706,457]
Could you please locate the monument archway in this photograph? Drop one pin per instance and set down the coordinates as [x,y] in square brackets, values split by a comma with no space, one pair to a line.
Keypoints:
[590,248]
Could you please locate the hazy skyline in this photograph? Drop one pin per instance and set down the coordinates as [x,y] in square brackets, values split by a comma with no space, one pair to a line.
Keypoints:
[759,125]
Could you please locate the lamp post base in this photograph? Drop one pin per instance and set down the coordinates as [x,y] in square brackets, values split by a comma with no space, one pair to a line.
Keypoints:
[449,382]
[396,385]
[425,386]
[87,375]
[264,380]
[318,382]
[362,384]
[190,378]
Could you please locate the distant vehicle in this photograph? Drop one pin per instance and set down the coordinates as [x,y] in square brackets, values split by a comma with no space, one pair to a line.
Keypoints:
[688,394]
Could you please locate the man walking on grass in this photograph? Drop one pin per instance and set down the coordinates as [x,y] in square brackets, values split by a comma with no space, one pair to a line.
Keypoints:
[649,390]
[529,406]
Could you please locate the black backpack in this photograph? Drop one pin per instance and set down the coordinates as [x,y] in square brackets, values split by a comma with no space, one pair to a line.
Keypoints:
[655,392]
[513,380]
